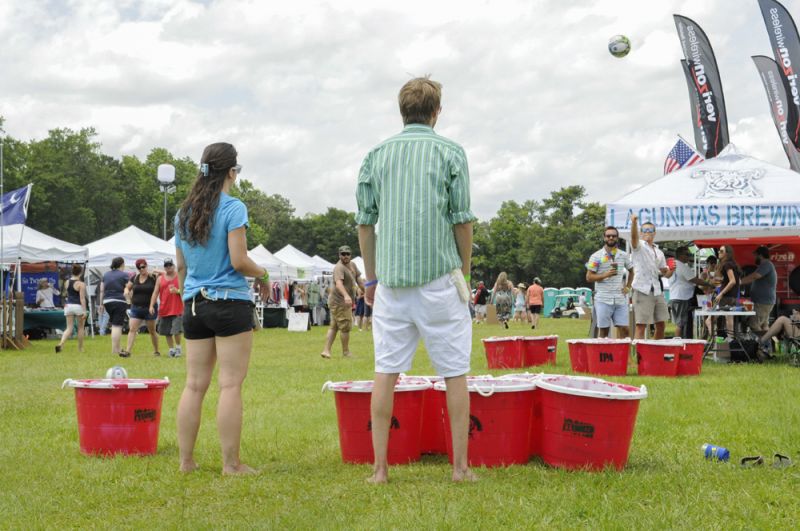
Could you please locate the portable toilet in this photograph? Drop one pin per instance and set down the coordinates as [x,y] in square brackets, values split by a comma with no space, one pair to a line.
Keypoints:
[587,293]
[549,300]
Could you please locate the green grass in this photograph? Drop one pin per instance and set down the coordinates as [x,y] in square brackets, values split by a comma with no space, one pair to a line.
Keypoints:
[290,432]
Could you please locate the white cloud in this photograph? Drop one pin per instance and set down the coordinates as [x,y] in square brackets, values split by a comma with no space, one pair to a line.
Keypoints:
[304,89]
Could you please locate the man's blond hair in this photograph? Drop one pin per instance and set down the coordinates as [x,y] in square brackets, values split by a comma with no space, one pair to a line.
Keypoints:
[420,98]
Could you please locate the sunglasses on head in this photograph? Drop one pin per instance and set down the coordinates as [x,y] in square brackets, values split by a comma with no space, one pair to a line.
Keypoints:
[648,230]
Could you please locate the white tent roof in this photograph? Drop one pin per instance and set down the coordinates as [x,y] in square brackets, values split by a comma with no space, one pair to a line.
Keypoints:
[729,196]
[131,244]
[37,246]
[322,265]
[277,268]
[359,262]
[293,256]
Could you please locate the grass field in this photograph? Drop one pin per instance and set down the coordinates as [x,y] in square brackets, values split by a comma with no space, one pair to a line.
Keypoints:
[290,433]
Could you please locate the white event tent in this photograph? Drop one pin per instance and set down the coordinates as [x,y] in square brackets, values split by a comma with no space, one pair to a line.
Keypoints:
[322,266]
[297,258]
[359,262]
[278,269]
[24,244]
[732,196]
[131,244]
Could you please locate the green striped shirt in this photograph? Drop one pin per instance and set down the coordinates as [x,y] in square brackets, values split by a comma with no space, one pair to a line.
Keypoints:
[417,184]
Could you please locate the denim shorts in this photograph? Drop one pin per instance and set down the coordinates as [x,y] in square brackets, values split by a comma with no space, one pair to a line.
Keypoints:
[204,318]
[142,313]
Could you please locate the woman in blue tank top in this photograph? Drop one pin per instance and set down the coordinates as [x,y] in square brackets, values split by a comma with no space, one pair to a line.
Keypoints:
[211,252]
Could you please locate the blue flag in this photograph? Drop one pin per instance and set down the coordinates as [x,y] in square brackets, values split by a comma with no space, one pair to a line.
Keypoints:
[14,206]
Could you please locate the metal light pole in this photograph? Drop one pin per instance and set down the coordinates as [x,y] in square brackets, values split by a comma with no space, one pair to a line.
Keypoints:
[166,176]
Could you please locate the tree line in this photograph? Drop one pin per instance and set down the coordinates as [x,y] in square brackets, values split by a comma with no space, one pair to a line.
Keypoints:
[81,194]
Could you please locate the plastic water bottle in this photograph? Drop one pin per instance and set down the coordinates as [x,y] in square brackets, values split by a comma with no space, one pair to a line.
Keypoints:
[717,453]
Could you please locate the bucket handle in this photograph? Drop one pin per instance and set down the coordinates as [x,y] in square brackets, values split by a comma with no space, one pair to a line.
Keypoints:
[65,382]
[326,386]
[484,393]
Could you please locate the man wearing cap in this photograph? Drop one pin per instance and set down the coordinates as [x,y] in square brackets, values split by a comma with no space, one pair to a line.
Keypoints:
[416,185]
[764,281]
[170,308]
[346,280]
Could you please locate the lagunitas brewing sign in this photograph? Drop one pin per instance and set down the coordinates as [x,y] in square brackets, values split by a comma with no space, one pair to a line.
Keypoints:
[705,88]
[786,49]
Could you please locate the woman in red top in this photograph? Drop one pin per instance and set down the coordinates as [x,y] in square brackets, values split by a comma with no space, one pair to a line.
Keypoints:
[170,308]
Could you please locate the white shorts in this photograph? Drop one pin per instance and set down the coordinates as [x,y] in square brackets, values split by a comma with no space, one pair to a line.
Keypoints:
[480,309]
[433,312]
[74,309]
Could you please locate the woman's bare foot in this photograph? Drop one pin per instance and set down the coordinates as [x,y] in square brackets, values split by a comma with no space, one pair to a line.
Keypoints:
[239,470]
[326,355]
[378,478]
[188,466]
[464,475]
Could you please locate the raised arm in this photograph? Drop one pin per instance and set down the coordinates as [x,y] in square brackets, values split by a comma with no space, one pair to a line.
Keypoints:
[634,231]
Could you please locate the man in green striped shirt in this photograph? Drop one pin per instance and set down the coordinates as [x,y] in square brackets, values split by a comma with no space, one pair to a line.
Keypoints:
[416,185]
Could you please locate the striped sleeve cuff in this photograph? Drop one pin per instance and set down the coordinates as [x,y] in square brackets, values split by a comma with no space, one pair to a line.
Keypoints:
[457,218]
[366,218]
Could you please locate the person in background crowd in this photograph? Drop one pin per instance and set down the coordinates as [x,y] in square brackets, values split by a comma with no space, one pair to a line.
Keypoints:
[313,299]
[75,308]
[728,275]
[112,293]
[503,298]
[423,257]
[649,264]
[44,294]
[479,300]
[167,298]
[138,292]
[363,313]
[211,255]
[535,297]
[764,282]
[520,305]
[681,293]
[786,327]
[340,301]
[299,301]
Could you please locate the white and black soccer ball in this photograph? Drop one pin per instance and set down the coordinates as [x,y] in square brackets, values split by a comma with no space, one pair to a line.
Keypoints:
[619,45]
[116,372]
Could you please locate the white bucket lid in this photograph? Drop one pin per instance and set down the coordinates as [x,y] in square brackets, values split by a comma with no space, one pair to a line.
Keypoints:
[489,386]
[115,383]
[538,338]
[365,386]
[500,338]
[591,387]
[659,342]
[405,378]
[693,341]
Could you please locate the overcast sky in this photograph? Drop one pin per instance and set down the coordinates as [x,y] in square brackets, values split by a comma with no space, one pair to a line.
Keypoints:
[305,89]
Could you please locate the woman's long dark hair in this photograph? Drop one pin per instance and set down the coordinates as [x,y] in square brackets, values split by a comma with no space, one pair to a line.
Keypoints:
[197,211]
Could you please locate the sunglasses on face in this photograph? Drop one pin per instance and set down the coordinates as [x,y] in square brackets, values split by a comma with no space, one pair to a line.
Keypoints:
[344,254]
[610,236]
[237,169]
[648,230]
[141,267]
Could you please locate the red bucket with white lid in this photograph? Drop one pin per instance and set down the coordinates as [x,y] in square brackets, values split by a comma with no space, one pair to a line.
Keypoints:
[587,422]
[577,355]
[607,357]
[503,352]
[690,362]
[539,350]
[658,357]
[355,423]
[118,416]
[432,436]
[500,421]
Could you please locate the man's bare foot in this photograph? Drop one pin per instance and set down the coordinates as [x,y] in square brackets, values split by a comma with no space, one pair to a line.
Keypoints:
[188,466]
[347,354]
[239,470]
[464,475]
[326,355]
[378,478]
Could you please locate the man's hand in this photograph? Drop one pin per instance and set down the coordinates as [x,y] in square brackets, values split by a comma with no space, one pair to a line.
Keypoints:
[348,301]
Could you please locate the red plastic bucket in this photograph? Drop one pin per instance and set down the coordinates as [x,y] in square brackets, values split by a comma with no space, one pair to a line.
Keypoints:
[658,357]
[539,350]
[690,362]
[499,422]
[355,423]
[535,443]
[587,422]
[119,416]
[577,355]
[432,437]
[608,356]
[503,352]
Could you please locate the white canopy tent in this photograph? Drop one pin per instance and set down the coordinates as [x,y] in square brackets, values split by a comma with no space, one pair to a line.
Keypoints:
[131,244]
[278,269]
[731,196]
[24,244]
[305,264]
[359,262]
[322,266]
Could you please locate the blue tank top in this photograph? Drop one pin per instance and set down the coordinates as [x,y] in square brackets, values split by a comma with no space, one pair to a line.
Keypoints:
[73,295]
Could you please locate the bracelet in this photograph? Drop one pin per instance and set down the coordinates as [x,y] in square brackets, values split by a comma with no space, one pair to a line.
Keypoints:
[370,283]
[468,278]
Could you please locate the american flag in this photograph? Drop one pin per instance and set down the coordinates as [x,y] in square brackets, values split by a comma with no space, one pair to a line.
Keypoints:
[681,155]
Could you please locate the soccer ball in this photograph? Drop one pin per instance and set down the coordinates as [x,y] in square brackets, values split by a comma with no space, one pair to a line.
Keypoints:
[116,372]
[619,45]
